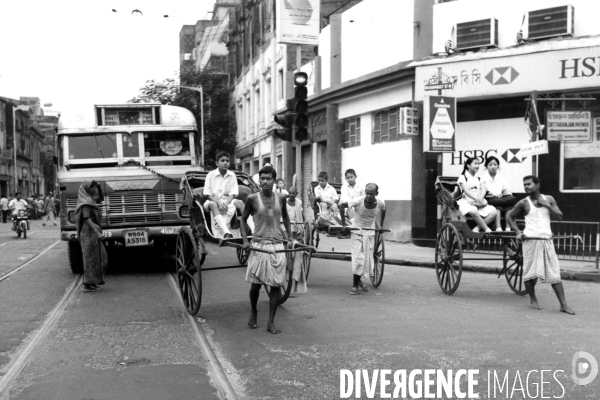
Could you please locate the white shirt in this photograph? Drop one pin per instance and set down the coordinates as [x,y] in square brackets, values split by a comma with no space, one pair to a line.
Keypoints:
[349,192]
[496,185]
[17,205]
[473,185]
[363,216]
[4,203]
[328,193]
[281,191]
[221,186]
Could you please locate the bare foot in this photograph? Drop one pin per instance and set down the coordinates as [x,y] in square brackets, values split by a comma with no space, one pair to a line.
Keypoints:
[534,304]
[271,328]
[567,310]
[252,320]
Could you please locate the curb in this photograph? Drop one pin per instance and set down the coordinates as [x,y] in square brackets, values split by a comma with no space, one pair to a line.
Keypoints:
[564,274]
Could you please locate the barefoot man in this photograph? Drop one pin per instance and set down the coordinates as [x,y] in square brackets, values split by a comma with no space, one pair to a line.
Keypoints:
[539,258]
[267,209]
[366,209]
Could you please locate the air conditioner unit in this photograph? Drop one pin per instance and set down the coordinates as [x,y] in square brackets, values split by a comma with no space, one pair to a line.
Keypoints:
[476,34]
[550,22]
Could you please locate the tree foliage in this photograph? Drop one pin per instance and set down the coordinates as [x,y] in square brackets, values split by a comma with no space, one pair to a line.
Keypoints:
[219,122]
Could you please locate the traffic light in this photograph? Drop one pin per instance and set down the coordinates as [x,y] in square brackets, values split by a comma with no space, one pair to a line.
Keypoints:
[286,121]
[300,106]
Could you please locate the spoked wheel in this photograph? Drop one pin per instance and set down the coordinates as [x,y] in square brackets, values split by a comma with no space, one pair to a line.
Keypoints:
[448,258]
[242,255]
[513,266]
[307,255]
[314,235]
[189,276]
[379,260]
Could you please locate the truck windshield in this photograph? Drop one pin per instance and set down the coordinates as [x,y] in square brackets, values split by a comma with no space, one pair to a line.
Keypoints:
[92,147]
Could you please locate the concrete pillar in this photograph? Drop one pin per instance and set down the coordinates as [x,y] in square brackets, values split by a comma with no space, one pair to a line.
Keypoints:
[289,164]
[336,48]
[335,129]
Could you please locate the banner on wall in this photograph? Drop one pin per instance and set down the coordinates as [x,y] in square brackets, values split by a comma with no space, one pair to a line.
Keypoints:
[439,124]
[500,138]
[298,21]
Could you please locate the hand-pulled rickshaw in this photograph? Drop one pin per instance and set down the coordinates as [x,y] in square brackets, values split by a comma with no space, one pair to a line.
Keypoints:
[191,247]
[333,228]
[455,238]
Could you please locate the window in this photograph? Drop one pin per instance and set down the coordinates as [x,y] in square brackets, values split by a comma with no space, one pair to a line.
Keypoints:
[92,147]
[280,82]
[131,148]
[351,132]
[166,144]
[580,162]
[385,126]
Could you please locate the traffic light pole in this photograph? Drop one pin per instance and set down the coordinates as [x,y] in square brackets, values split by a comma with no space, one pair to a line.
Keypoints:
[299,183]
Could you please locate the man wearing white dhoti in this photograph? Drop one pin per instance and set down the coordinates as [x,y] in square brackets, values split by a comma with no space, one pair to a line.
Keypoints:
[267,209]
[366,209]
[539,257]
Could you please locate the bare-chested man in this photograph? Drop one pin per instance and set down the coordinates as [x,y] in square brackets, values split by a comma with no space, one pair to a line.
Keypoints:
[267,209]
[539,258]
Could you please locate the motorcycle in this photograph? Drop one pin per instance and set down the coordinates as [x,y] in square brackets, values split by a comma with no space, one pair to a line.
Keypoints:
[21,223]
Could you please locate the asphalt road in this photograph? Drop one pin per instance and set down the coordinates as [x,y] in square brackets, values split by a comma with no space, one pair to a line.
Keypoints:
[133,341]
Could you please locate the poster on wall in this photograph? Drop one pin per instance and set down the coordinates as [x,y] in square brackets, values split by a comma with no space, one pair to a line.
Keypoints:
[439,124]
[298,21]
[500,138]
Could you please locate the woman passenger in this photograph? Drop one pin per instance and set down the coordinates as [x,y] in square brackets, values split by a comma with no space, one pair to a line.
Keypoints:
[473,200]
[495,184]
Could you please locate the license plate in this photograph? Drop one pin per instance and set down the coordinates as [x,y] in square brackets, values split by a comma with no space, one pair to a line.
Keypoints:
[136,238]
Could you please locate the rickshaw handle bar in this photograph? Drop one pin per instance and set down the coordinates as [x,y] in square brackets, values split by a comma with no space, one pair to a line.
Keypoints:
[223,242]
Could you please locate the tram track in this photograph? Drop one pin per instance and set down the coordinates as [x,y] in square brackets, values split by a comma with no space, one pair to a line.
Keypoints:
[15,368]
[26,263]
[221,381]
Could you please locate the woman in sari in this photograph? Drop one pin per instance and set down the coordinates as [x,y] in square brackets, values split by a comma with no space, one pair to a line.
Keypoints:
[88,217]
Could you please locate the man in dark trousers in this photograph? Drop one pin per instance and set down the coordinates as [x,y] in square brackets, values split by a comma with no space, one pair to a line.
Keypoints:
[267,210]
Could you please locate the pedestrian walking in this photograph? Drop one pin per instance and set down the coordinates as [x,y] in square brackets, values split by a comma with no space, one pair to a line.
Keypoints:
[366,209]
[539,257]
[88,217]
[267,209]
[39,204]
[49,209]
[4,208]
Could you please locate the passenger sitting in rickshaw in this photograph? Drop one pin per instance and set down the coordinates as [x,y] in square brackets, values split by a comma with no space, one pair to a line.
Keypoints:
[221,188]
[327,198]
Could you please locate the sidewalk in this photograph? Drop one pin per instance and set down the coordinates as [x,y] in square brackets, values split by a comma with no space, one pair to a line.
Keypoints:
[408,254]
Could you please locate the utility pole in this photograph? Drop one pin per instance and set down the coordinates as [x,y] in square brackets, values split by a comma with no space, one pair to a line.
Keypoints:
[14,113]
[299,182]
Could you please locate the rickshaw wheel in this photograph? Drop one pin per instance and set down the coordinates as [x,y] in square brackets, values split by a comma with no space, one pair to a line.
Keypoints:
[513,266]
[315,237]
[287,285]
[379,260]
[306,255]
[448,258]
[188,272]
[242,255]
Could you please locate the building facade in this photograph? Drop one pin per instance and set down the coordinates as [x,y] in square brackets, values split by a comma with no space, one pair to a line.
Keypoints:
[560,67]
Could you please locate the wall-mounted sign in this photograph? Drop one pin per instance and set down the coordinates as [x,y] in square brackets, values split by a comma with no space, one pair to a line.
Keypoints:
[319,126]
[298,21]
[409,121]
[439,124]
[569,126]
[533,148]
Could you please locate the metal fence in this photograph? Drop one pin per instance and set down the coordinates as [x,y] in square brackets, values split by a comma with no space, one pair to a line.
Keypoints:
[586,250]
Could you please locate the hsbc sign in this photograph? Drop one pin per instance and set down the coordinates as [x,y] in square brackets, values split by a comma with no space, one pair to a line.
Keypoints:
[504,73]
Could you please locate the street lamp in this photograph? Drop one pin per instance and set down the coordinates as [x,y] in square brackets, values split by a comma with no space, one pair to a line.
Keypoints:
[195,89]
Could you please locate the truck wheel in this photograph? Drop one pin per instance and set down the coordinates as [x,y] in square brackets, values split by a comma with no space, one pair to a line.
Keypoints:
[75,257]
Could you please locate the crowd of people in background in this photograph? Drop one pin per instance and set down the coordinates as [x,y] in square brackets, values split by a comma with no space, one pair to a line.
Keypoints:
[38,206]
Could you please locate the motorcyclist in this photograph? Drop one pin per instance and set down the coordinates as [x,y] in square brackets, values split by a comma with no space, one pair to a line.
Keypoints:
[16,205]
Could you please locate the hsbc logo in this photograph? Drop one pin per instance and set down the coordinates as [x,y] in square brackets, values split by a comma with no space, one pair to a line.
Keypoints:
[502,76]
[513,156]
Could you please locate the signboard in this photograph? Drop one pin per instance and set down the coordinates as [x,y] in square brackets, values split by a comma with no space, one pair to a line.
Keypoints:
[439,123]
[409,121]
[480,75]
[298,21]
[533,148]
[569,126]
